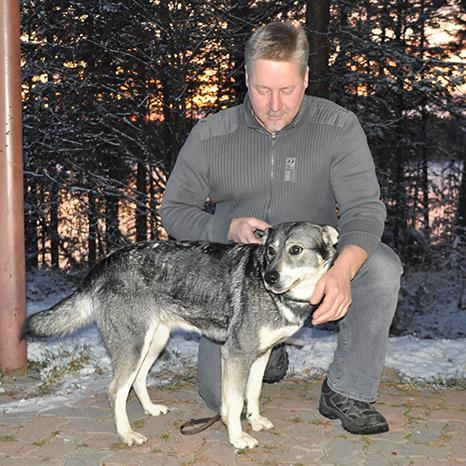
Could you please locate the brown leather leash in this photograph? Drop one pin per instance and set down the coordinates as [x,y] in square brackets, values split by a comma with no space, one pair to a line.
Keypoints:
[204,423]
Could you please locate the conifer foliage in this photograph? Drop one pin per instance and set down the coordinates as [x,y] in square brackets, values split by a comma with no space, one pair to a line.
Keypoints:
[111,89]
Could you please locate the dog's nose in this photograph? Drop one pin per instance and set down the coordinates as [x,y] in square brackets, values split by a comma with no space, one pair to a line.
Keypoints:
[271,277]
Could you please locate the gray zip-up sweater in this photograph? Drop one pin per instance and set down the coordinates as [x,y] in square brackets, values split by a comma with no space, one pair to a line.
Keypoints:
[317,168]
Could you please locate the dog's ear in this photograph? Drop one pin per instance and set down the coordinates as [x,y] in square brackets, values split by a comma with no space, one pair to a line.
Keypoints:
[330,235]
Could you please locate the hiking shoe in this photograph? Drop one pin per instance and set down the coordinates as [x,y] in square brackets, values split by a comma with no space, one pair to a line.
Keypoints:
[277,366]
[357,417]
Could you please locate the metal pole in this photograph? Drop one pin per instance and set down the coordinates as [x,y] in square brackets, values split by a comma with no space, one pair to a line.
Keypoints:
[13,353]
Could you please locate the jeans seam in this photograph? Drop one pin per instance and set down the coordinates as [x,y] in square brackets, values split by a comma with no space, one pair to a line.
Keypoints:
[339,362]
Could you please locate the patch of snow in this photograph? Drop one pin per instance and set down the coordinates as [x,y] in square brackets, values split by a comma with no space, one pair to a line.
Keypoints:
[429,360]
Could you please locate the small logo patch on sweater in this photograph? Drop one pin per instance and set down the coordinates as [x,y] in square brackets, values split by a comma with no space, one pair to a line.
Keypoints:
[290,169]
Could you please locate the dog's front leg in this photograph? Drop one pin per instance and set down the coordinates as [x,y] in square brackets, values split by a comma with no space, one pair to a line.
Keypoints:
[253,391]
[234,377]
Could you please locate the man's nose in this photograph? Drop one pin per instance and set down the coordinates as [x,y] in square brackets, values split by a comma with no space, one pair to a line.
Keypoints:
[275,102]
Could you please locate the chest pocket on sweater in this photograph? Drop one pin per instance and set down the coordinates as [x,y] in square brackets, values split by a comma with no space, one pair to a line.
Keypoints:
[290,169]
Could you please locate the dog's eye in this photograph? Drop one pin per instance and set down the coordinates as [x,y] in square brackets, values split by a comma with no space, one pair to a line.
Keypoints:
[295,250]
[271,251]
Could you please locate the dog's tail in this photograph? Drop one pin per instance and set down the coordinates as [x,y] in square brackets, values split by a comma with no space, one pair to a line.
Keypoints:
[65,317]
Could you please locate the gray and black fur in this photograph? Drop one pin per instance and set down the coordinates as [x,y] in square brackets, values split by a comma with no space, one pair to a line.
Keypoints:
[248,297]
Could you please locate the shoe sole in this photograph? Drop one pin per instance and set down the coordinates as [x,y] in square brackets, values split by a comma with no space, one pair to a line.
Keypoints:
[334,414]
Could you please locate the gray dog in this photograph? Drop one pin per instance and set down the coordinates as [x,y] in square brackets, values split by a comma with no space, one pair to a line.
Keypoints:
[248,297]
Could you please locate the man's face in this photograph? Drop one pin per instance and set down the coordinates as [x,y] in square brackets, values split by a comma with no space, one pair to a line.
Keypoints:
[276,90]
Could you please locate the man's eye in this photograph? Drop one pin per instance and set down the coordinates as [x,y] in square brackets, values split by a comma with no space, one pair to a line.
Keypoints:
[295,250]
[287,91]
[271,251]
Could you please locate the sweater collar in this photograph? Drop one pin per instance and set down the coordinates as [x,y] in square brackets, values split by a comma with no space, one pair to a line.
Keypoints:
[252,122]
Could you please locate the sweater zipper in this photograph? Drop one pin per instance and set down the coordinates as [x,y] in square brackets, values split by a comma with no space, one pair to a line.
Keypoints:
[272,176]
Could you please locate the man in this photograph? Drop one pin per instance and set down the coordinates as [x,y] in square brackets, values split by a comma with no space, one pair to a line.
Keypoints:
[283,156]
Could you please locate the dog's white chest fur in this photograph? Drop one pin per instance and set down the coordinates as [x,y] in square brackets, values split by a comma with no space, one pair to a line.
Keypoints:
[289,315]
[271,336]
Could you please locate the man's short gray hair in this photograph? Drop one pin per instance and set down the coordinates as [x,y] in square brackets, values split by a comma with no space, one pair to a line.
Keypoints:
[278,41]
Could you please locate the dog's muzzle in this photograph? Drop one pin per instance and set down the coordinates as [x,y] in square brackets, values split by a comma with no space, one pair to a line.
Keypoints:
[273,283]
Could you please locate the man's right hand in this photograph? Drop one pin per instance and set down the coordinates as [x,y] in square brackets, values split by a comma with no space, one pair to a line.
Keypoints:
[242,229]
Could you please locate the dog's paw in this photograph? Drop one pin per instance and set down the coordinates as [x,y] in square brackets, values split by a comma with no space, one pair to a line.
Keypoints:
[156,410]
[132,438]
[244,441]
[259,423]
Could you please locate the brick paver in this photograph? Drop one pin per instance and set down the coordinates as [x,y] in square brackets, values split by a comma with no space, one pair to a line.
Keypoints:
[428,426]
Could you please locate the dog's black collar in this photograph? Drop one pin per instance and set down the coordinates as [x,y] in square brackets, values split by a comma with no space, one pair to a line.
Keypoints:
[301,301]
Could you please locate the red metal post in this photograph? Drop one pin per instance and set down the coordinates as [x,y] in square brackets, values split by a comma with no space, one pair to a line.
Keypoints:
[13,353]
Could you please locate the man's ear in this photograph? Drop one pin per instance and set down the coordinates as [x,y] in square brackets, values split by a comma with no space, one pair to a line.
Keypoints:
[306,77]
[246,76]
[330,235]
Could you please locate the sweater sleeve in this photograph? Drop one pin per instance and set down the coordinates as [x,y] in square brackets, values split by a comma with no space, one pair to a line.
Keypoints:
[356,189]
[187,190]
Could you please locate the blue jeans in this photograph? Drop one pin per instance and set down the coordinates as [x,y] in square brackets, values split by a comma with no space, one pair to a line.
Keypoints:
[362,341]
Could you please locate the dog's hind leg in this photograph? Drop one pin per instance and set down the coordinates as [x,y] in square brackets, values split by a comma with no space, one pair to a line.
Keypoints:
[234,377]
[159,340]
[118,394]
[127,362]
[253,391]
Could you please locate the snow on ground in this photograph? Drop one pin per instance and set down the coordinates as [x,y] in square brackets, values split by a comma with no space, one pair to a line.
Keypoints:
[432,305]
[426,359]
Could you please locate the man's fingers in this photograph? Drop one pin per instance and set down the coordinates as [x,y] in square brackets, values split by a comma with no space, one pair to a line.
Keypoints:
[335,293]
[323,311]
[326,298]
[318,292]
[332,308]
[330,314]
[250,237]
[257,223]
[242,229]
[326,317]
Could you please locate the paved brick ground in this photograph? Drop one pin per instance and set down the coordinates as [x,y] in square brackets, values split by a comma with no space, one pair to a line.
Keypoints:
[427,427]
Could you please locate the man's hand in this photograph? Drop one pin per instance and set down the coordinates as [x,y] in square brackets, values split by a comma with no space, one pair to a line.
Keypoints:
[335,286]
[242,229]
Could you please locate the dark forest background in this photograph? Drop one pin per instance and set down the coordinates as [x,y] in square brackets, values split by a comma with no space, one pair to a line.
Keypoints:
[111,90]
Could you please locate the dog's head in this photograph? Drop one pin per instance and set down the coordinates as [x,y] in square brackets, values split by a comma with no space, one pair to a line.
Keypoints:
[296,255]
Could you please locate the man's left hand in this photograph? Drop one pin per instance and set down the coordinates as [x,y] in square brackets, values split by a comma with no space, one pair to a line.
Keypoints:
[334,288]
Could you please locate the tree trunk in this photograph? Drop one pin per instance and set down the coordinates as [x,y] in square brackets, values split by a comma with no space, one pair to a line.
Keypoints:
[141,199]
[399,154]
[461,213]
[317,24]
[54,203]
[153,205]
[112,222]
[91,239]
[424,140]
[241,11]
[31,220]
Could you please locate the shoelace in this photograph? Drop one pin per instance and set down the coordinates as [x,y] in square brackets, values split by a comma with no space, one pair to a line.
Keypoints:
[352,407]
